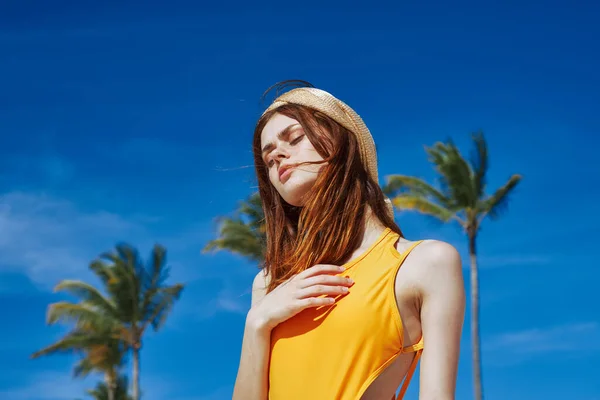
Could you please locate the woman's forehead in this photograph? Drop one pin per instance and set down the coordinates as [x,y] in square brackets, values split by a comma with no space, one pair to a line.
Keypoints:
[275,126]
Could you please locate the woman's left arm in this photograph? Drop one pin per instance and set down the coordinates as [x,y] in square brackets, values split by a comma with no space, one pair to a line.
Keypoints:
[442,316]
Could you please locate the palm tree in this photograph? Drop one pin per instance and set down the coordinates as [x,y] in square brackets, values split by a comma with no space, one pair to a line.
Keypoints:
[139,297]
[136,299]
[243,234]
[93,338]
[461,198]
[102,391]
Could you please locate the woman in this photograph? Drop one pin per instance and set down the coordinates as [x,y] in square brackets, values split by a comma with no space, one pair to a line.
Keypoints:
[345,306]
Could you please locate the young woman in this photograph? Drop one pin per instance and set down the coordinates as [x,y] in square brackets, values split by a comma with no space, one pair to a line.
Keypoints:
[345,306]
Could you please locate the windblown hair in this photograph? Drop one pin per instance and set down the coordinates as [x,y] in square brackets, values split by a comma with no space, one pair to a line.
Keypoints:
[329,227]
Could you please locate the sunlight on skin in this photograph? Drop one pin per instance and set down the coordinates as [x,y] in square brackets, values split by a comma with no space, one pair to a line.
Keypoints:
[287,145]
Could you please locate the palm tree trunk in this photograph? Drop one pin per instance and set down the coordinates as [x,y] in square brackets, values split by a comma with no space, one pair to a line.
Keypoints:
[136,373]
[476,344]
[110,386]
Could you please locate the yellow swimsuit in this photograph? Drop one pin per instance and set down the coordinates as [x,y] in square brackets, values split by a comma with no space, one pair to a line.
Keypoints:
[335,352]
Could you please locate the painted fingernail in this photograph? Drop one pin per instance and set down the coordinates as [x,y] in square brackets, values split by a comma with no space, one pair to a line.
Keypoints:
[344,289]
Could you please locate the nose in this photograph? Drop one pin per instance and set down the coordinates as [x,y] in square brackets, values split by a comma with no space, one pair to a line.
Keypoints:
[281,153]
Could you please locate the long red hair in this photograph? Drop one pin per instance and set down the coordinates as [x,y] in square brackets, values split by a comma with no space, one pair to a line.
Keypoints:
[329,227]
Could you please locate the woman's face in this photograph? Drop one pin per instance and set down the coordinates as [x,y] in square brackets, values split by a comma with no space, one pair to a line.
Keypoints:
[284,144]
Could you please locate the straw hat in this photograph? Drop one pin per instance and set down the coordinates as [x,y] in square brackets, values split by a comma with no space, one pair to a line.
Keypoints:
[341,113]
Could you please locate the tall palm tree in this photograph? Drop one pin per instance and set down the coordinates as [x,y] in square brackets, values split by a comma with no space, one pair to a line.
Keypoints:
[243,234]
[141,298]
[461,198]
[136,299]
[94,338]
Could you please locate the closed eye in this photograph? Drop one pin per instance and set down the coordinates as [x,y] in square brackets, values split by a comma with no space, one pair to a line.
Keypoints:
[269,162]
[297,140]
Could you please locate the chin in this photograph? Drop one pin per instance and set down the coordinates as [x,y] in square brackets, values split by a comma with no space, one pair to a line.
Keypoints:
[293,197]
[294,192]
[295,202]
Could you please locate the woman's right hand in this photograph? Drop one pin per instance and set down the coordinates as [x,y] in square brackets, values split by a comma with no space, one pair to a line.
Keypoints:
[309,288]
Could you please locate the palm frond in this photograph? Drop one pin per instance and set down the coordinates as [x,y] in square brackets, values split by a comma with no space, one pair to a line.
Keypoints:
[455,174]
[80,314]
[72,342]
[98,350]
[107,355]
[158,269]
[404,184]
[479,162]
[497,203]
[153,279]
[422,205]
[140,291]
[106,358]
[252,210]
[87,293]
[103,271]
[238,237]
[244,233]
[83,368]
[163,301]
[130,274]
[132,267]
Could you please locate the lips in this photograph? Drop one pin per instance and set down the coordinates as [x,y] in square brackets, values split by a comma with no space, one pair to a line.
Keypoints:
[284,171]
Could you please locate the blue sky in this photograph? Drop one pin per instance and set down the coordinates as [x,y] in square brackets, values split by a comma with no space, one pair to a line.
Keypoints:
[134,122]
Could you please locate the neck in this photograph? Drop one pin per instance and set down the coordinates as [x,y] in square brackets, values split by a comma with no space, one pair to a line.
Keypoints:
[373,228]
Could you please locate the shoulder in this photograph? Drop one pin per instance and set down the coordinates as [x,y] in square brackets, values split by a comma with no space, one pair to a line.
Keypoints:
[261,280]
[432,253]
[438,254]
[433,263]
[259,285]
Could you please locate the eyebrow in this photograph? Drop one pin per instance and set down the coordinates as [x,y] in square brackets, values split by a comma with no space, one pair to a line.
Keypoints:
[281,136]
